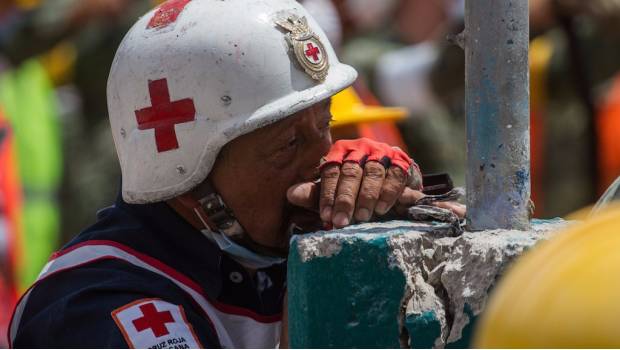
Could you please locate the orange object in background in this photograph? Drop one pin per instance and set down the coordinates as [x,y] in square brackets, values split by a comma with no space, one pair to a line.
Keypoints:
[608,130]
[357,113]
[10,228]
[541,51]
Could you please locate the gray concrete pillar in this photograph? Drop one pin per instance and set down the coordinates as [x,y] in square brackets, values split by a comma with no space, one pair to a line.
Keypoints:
[498,114]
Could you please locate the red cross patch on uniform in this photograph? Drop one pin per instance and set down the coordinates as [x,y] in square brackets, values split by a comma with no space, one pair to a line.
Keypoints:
[155,324]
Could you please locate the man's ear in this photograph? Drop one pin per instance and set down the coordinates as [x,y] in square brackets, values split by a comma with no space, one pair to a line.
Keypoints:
[305,195]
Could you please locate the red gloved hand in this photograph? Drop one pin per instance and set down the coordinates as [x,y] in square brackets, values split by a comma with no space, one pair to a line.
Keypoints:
[364,150]
[360,178]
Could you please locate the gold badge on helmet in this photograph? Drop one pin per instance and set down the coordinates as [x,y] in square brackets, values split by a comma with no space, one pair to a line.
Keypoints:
[307,46]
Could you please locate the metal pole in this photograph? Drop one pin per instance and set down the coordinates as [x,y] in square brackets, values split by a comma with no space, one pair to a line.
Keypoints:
[498,114]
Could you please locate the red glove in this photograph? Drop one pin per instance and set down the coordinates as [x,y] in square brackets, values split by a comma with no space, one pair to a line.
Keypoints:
[364,150]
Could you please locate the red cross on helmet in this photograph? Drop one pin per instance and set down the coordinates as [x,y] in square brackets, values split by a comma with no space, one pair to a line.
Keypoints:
[191,76]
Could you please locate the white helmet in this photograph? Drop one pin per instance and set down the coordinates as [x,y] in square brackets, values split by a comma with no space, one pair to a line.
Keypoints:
[192,75]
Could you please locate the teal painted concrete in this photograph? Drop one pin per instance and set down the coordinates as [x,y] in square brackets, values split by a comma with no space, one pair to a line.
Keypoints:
[345,290]
[467,333]
[349,300]
[423,329]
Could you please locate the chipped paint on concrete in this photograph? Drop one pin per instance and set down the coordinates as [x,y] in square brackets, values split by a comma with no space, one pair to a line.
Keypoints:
[426,326]
[474,262]
[315,246]
[324,244]
[398,283]
[412,253]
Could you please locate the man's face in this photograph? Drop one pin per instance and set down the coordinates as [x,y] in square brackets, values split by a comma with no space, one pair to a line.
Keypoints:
[254,172]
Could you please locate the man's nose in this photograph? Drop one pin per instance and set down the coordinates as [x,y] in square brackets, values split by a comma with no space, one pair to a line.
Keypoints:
[318,143]
[319,139]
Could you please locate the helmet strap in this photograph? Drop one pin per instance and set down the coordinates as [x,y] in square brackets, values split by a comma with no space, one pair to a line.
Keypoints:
[217,217]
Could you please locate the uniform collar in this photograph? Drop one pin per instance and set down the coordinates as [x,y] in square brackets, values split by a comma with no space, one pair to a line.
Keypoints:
[222,278]
[196,256]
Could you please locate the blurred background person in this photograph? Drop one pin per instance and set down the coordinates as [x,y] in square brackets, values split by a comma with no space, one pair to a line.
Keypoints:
[56,57]
[56,160]
[75,41]
[401,48]
[396,45]
[356,111]
[10,230]
[575,61]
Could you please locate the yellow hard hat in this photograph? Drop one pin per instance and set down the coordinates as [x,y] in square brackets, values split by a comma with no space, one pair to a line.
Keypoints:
[347,108]
[563,294]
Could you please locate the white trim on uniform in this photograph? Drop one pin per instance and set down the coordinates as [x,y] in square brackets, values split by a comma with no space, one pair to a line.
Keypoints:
[236,328]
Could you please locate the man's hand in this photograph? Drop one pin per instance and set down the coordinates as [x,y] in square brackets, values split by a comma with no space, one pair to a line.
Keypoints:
[359,178]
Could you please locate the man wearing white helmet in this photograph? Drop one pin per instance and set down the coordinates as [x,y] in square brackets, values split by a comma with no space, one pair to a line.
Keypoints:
[220,113]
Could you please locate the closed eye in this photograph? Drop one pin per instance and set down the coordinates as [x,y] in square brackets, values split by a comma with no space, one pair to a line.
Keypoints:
[325,124]
[292,142]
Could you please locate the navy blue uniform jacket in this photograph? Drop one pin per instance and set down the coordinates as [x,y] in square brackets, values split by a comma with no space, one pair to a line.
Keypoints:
[143,277]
